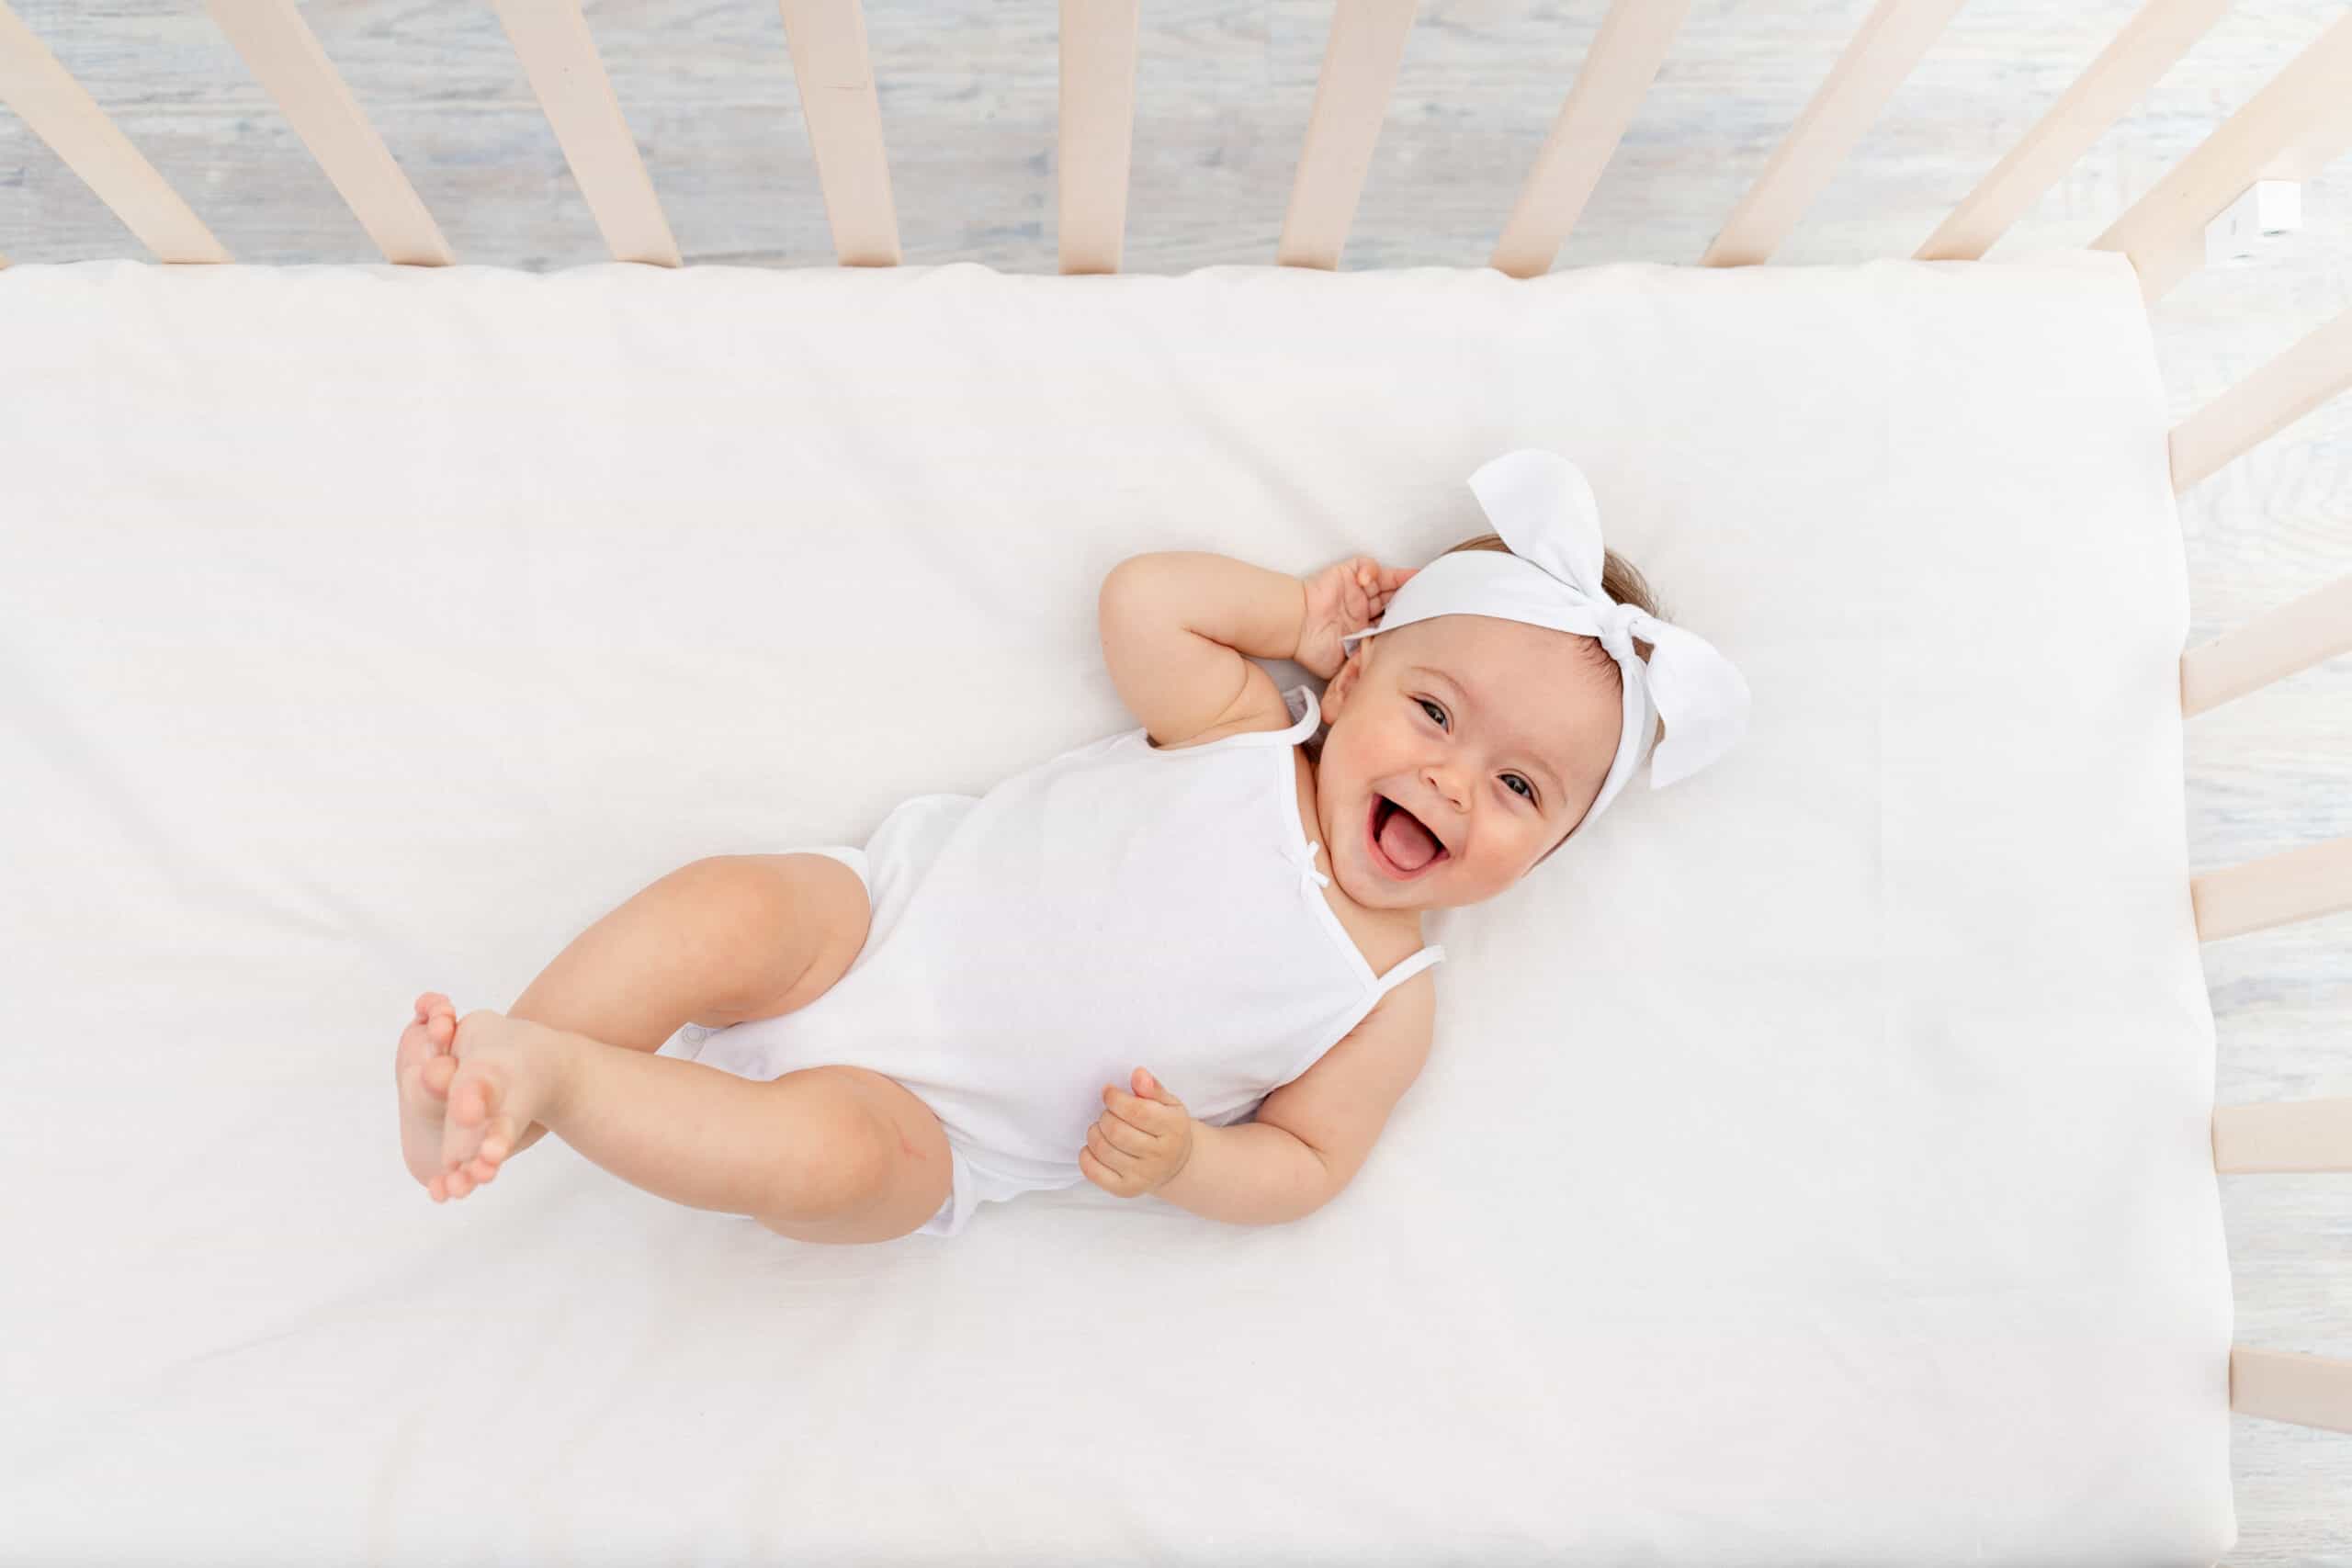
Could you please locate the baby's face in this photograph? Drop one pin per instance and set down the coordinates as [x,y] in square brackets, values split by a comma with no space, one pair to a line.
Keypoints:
[1496,734]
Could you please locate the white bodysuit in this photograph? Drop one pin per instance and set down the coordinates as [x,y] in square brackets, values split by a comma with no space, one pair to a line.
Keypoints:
[1121,906]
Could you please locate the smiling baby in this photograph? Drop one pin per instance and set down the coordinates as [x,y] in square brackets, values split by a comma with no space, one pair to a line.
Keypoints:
[1185,960]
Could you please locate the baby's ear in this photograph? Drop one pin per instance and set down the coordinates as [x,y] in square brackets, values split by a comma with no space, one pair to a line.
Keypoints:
[1343,680]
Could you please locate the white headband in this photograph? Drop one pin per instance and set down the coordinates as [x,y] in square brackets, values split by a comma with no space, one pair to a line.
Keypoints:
[1544,511]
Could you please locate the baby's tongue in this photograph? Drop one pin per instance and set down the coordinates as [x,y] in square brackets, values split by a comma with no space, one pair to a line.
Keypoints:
[1406,841]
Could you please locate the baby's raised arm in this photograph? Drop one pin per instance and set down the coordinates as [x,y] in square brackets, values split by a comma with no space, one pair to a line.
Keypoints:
[1175,625]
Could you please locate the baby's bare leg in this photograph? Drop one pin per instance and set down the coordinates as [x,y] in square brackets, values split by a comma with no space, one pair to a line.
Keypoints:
[723,941]
[806,1155]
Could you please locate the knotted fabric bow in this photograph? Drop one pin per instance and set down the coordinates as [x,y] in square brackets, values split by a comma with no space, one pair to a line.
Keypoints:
[1542,507]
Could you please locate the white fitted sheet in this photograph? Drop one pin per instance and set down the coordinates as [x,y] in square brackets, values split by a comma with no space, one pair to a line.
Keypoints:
[1812,1164]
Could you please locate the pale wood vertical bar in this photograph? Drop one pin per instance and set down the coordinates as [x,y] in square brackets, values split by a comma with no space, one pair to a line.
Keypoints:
[1360,63]
[559,55]
[2265,403]
[2300,884]
[2300,117]
[64,116]
[284,55]
[1096,133]
[2292,1134]
[835,73]
[2281,1385]
[2269,648]
[1616,76]
[1892,39]
[2120,78]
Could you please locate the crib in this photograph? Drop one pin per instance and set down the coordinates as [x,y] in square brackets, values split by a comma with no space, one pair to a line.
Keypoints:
[80,1471]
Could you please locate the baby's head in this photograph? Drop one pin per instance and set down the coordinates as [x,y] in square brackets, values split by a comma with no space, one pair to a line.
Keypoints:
[1496,734]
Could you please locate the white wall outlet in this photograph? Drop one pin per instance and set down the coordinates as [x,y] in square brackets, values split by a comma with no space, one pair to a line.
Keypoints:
[2262,211]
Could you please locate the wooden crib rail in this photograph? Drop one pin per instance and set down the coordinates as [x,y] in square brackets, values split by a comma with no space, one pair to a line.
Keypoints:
[1890,42]
[285,56]
[2269,648]
[2296,123]
[1096,132]
[834,72]
[2281,1385]
[1617,73]
[2300,884]
[62,114]
[1360,64]
[2283,1136]
[2304,114]
[2316,368]
[559,57]
[2148,46]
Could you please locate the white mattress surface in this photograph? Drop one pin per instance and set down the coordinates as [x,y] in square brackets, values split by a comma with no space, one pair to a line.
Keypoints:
[1813,1163]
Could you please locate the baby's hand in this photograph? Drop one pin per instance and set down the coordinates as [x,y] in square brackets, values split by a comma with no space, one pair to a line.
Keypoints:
[1343,598]
[1141,1142]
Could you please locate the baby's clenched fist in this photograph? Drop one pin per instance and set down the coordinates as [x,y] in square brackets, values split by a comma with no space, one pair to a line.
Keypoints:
[1141,1141]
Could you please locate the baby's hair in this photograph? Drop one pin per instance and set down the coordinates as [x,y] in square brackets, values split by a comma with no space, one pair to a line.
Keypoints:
[1622,581]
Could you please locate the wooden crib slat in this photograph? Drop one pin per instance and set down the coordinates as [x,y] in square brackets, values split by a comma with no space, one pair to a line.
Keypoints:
[2285,1385]
[1616,76]
[1360,63]
[2301,115]
[830,62]
[2120,78]
[2329,132]
[1096,133]
[2269,648]
[2265,403]
[2295,1135]
[284,55]
[1891,42]
[2300,884]
[558,56]
[63,114]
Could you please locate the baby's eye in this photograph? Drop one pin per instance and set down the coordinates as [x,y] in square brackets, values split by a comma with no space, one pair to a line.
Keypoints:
[1513,779]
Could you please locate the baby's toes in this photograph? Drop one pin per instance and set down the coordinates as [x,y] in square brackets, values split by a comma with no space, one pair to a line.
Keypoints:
[498,1140]
[471,1098]
[469,1103]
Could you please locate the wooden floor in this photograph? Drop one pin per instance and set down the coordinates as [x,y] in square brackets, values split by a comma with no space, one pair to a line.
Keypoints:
[967,91]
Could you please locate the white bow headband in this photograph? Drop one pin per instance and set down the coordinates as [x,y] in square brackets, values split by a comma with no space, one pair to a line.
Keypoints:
[1541,504]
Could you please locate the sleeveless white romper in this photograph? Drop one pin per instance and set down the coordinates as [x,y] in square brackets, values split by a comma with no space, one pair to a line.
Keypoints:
[1121,906]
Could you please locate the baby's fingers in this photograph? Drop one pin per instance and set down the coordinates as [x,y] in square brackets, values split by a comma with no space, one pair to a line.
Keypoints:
[1123,1136]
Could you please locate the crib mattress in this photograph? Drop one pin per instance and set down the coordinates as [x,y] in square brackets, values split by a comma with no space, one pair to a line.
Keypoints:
[1812,1166]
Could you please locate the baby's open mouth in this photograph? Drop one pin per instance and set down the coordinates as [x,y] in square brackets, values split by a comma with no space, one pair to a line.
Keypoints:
[1402,847]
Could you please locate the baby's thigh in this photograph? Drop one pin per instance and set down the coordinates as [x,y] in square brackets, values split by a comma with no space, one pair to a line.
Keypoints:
[810,911]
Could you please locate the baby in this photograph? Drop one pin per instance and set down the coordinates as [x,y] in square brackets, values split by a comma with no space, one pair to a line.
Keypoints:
[1241,903]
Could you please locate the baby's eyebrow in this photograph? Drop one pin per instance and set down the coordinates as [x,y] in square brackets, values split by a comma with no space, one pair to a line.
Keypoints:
[1543,764]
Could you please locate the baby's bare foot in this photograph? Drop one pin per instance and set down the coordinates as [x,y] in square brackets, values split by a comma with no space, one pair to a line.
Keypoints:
[508,1069]
[422,1067]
